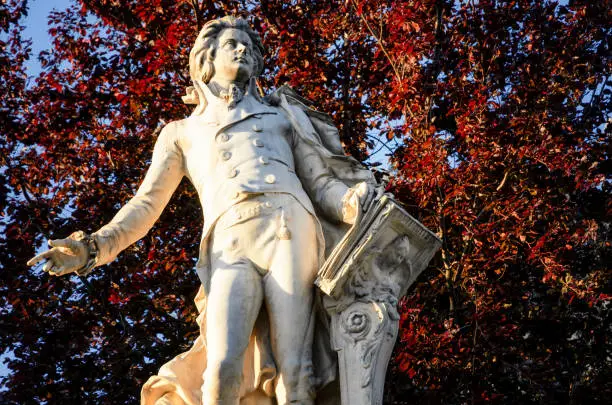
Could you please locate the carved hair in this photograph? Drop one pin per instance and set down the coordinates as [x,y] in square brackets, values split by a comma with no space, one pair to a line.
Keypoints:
[201,68]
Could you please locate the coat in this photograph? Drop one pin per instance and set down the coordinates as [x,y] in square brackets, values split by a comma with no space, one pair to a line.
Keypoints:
[181,378]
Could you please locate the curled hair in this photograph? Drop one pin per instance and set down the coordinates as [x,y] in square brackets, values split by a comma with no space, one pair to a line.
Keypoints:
[201,68]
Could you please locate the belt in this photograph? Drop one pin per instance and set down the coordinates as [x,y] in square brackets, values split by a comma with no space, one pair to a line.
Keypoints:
[255,205]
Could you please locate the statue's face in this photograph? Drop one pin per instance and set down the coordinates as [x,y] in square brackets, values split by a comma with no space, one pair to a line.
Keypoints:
[395,254]
[234,59]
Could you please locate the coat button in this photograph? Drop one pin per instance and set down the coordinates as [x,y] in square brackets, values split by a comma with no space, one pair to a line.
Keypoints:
[268,204]
[257,128]
[257,142]
[223,137]
[270,179]
[232,173]
[264,160]
[226,155]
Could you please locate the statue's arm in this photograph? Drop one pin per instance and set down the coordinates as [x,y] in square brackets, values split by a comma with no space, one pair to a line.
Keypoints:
[80,253]
[334,199]
[135,218]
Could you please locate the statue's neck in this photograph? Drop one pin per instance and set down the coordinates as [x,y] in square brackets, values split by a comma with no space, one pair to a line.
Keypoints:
[217,87]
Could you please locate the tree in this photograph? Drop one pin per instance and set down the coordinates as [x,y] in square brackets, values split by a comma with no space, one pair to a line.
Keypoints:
[494,115]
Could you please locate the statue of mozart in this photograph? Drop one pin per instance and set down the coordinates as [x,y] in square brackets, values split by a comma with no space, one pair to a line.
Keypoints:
[277,191]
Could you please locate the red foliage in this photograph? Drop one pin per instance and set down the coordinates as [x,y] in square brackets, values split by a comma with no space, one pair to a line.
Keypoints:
[495,120]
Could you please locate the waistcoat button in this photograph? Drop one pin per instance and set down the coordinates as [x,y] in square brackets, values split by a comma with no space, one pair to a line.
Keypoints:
[232,173]
[223,137]
[257,142]
[264,160]
[270,179]
[226,155]
[257,128]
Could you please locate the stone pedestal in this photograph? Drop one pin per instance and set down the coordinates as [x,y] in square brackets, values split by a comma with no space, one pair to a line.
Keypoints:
[363,279]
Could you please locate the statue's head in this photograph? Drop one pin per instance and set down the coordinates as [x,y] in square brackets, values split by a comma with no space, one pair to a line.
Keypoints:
[226,46]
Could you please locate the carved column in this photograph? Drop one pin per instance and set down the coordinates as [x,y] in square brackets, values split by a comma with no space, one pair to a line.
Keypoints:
[363,335]
[364,279]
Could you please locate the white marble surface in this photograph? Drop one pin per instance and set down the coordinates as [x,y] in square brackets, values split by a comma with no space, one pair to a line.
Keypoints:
[268,174]
[364,278]
[283,206]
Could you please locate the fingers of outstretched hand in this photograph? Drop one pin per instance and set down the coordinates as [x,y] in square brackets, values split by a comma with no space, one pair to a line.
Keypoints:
[48,266]
[57,271]
[40,257]
[64,243]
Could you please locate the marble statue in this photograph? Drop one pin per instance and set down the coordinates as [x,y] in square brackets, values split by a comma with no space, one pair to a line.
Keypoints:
[263,178]
[278,194]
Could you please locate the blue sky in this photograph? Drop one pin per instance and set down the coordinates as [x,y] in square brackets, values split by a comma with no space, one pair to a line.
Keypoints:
[36,28]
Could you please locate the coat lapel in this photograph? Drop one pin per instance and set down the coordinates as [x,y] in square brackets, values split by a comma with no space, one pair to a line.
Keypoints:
[218,117]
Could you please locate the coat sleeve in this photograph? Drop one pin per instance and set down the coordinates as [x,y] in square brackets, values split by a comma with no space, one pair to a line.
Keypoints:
[324,189]
[135,218]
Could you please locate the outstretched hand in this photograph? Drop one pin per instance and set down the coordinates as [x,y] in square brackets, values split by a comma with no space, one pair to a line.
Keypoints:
[66,256]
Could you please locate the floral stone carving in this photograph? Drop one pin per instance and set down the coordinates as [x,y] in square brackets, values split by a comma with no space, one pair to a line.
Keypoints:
[364,278]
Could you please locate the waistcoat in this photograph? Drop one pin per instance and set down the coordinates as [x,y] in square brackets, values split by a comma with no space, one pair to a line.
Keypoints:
[231,154]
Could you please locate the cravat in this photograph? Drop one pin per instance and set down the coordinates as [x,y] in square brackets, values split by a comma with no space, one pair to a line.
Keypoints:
[232,96]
